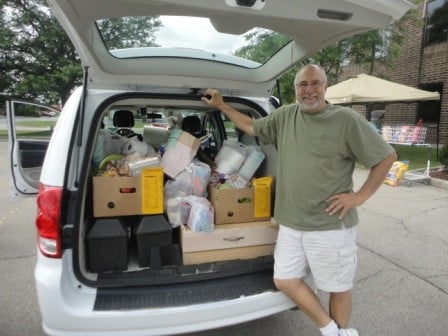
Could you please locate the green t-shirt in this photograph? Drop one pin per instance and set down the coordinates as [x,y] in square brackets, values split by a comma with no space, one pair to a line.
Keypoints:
[316,159]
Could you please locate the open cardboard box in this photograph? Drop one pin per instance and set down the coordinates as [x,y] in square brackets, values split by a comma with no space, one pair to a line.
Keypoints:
[125,196]
[180,151]
[238,205]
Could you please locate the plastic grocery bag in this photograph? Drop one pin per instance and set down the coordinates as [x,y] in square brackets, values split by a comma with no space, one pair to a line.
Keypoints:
[177,211]
[199,173]
[191,181]
[107,143]
[201,216]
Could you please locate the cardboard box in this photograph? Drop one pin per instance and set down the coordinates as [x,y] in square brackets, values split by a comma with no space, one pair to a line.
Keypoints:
[125,196]
[241,205]
[180,151]
[229,241]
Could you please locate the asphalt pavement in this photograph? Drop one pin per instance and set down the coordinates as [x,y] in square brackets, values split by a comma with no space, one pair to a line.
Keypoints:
[401,288]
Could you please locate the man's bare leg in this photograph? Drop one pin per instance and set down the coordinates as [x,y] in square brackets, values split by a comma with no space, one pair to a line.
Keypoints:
[341,307]
[299,292]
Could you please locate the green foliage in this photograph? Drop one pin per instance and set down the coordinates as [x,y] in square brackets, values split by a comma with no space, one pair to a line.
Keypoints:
[141,29]
[286,81]
[443,155]
[38,61]
[260,45]
[330,59]
[364,48]
[26,110]
[372,50]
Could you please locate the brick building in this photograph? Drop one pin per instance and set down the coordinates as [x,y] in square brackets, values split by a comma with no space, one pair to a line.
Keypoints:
[423,63]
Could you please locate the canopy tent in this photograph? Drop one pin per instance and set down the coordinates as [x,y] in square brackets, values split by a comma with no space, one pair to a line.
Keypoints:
[363,89]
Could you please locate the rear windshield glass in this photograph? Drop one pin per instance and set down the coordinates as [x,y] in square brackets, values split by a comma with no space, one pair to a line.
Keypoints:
[157,36]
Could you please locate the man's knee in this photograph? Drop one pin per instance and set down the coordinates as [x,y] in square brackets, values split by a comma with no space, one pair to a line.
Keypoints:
[285,285]
[279,283]
[341,295]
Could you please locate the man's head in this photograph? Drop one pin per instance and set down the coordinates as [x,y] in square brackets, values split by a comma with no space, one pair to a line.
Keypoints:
[310,86]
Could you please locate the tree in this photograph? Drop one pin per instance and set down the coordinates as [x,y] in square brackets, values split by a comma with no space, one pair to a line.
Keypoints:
[141,29]
[261,44]
[331,59]
[38,61]
[373,49]
[361,49]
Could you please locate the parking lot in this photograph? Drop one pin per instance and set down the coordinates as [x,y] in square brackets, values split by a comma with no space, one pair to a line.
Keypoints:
[401,286]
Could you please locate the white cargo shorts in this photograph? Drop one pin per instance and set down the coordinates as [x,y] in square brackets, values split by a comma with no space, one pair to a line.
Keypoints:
[329,255]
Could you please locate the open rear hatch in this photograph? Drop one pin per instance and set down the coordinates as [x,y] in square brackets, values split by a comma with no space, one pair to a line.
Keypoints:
[158,231]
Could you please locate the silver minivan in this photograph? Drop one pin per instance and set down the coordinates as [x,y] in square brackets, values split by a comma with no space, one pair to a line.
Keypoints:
[83,285]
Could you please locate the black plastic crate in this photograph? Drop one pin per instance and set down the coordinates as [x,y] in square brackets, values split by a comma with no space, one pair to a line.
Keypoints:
[107,244]
[162,256]
[154,239]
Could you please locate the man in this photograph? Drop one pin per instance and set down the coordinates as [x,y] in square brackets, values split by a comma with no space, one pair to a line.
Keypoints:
[376,120]
[318,145]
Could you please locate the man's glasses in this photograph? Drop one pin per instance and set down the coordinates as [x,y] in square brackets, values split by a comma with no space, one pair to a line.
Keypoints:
[314,85]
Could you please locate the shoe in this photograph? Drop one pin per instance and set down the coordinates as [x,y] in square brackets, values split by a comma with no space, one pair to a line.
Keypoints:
[348,332]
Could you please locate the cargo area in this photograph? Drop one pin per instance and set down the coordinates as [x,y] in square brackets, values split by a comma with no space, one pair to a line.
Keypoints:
[179,202]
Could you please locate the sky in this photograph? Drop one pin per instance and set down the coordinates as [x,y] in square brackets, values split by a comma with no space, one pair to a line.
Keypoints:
[186,33]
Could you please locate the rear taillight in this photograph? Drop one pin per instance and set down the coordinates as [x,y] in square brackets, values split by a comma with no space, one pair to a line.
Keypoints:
[48,220]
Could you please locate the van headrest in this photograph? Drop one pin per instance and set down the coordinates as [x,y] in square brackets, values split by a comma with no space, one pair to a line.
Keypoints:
[123,118]
[192,125]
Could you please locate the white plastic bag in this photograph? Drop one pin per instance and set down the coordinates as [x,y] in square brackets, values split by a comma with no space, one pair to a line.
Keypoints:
[107,143]
[252,162]
[230,157]
[200,176]
[201,217]
[192,181]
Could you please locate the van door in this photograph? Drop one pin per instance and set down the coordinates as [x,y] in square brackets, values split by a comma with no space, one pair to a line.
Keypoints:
[30,126]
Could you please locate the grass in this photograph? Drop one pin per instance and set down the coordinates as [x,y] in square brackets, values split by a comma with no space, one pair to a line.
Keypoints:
[37,123]
[417,156]
[25,134]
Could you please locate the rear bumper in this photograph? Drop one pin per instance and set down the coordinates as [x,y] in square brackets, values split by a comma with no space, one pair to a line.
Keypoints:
[67,308]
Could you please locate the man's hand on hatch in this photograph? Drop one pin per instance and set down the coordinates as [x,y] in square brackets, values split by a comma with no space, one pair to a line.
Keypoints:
[213,98]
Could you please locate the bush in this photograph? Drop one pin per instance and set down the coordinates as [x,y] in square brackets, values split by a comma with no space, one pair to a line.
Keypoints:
[443,155]
[26,110]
